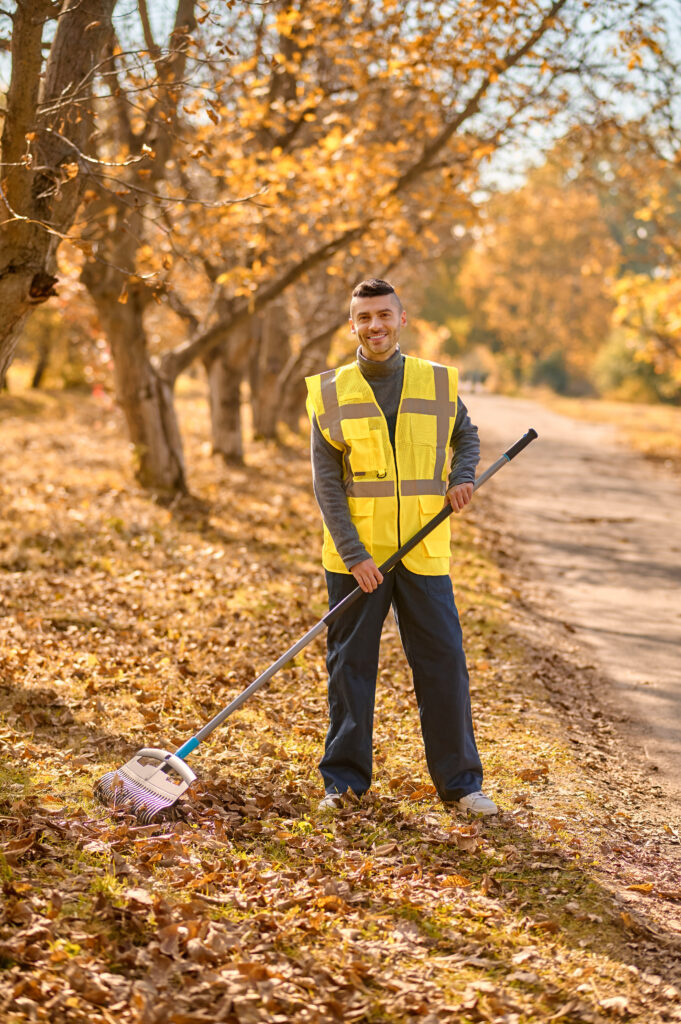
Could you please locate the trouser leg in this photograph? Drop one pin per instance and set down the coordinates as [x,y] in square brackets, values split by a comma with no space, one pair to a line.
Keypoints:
[353,642]
[431,636]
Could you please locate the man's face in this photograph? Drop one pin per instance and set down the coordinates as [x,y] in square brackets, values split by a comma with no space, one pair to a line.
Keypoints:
[377,320]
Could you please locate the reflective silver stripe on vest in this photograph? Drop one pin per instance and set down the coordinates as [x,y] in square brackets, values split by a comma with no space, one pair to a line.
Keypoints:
[331,419]
[410,488]
[443,410]
[353,411]
[371,488]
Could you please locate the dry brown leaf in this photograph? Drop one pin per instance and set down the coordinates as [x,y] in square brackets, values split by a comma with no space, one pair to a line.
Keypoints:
[455,881]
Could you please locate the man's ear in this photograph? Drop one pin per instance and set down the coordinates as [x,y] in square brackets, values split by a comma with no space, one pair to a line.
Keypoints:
[352,325]
[403,317]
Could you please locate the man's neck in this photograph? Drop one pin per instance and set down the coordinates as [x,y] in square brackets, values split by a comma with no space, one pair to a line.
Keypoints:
[379,368]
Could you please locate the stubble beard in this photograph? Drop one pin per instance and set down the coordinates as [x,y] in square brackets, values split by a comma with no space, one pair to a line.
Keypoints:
[386,344]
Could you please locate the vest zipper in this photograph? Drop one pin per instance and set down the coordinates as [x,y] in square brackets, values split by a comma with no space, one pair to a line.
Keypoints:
[394,458]
[393,447]
[397,475]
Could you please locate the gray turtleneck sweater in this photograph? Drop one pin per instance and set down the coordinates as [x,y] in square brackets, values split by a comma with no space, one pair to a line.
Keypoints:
[386,380]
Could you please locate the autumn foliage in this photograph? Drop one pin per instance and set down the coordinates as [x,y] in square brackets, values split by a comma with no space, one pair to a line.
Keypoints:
[250,162]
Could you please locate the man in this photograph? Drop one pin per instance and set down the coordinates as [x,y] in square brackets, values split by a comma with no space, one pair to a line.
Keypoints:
[380,431]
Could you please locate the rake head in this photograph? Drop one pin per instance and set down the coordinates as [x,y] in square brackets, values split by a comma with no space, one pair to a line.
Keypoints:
[150,784]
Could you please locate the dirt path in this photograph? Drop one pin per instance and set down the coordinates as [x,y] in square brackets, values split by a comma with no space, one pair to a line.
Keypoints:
[601,528]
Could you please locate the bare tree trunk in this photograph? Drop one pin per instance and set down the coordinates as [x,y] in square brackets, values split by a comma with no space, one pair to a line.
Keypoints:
[224,391]
[269,360]
[44,348]
[144,387]
[14,306]
[43,193]
[225,367]
[144,394]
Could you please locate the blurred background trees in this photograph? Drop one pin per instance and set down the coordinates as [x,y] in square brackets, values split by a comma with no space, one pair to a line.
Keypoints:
[220,174]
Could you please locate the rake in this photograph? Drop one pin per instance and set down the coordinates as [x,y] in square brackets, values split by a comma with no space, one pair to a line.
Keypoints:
[151,782]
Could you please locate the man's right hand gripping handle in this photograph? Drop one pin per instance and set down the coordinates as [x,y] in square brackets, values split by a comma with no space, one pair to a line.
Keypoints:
[367,574]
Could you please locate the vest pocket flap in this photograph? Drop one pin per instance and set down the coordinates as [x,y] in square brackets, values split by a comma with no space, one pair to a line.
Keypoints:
[360,506]
[429,506]
[436,543]
[355,430]
[366,449]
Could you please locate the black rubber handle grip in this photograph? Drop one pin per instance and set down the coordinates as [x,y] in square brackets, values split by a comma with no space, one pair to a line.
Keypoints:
[521,443]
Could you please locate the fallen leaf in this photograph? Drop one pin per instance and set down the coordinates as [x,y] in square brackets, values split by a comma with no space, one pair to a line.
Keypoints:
[455,881]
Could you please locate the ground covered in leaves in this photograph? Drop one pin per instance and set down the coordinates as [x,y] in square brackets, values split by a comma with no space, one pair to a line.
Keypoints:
[124,623]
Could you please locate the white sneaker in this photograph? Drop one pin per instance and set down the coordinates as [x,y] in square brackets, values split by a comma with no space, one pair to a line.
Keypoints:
[331,802]
[478,803]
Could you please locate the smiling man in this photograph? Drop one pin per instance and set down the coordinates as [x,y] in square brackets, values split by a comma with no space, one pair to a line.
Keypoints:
[381,427]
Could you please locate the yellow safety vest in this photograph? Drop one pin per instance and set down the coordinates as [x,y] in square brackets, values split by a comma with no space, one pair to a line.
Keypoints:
[390,496]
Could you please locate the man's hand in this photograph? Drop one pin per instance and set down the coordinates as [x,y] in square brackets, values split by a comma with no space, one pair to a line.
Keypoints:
[459,496]
[367,575]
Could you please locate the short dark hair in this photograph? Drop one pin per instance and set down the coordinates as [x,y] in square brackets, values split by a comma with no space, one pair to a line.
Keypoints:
[374,286]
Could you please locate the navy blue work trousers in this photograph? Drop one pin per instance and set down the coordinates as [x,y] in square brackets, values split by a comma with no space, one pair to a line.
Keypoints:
[431,636]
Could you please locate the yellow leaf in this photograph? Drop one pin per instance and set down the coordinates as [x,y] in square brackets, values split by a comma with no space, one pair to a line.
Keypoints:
[643,887]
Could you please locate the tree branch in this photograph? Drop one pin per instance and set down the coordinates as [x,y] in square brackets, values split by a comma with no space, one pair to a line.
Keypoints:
[176,361]
[153,49]
[432,148]
[22,97]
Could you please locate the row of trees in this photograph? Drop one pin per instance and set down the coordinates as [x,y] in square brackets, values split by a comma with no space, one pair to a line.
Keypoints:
[225,178]
[574,278]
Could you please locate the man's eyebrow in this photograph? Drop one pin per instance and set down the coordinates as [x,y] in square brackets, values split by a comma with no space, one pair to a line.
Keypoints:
[365,312]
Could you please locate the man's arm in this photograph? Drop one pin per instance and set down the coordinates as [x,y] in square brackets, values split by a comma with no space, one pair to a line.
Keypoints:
[327,480]
[466,445]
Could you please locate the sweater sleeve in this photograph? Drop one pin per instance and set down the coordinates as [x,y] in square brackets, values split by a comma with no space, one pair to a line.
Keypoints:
[327,480]
[466,448]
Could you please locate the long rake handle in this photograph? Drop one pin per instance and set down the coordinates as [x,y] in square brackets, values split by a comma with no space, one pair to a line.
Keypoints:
[347,601]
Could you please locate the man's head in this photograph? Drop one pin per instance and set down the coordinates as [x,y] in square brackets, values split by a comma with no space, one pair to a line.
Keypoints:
[376,317]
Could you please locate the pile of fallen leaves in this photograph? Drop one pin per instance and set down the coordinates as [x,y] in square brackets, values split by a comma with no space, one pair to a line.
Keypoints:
[126,623]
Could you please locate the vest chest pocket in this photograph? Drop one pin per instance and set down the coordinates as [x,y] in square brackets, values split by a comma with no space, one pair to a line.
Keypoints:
[423,430]
[366,448]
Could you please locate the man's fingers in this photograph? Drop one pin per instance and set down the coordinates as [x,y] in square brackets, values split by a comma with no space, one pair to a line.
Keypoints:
[368,575]
[369,581]
[460,496]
